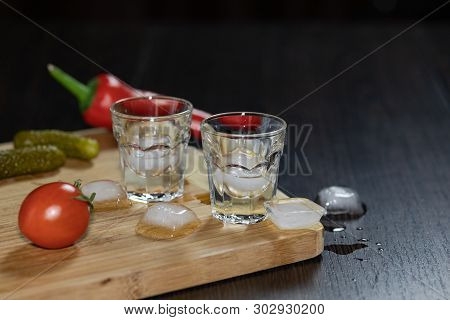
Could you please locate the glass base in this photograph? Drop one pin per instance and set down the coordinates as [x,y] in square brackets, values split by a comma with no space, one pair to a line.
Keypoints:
[153,197]
[239,218]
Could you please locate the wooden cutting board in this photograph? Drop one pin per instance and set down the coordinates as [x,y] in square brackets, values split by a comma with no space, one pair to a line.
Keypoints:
[112,262]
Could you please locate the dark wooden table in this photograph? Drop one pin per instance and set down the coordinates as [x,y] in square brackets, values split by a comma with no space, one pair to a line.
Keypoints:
[382,128]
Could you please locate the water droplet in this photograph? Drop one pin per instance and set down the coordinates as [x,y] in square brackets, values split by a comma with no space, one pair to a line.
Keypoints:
[363,240]
[378,243]
[359,228]
[361,259]
[380,250]
[353,279]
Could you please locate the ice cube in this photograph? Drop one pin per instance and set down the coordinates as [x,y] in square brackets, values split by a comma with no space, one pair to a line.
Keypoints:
[167,220]
[242,174]
[151,155]
[108,194]
[154,160]
[241,182]
[340,200]
[294,213]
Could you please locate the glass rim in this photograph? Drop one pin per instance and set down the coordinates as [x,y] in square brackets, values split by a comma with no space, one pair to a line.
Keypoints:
[150,97]
[243,135]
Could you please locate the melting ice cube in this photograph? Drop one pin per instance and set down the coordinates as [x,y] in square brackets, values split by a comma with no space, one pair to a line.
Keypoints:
[241,182]
[167,220]
[243,174]
[151,155]
[294,213]
[340,200]
[108,195]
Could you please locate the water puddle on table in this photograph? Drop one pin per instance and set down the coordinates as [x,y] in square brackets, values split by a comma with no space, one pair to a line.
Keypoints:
[345,249]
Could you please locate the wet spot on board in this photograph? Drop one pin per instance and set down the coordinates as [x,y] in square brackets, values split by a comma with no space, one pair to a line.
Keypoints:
[105,281]
[204,198]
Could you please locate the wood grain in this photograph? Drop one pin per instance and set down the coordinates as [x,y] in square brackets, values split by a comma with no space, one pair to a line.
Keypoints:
[112,262]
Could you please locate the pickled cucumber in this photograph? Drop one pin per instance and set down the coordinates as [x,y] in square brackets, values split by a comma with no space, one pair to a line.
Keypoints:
[16,162]
[72,145]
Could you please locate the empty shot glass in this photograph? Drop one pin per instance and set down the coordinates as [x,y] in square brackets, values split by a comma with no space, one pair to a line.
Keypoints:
[242,152]
[152,134]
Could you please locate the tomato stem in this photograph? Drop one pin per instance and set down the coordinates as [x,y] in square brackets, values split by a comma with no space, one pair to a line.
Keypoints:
[77,183]
[89,200]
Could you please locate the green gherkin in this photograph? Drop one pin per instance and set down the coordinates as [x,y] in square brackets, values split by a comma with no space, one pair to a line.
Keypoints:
[16,162]
[72,145]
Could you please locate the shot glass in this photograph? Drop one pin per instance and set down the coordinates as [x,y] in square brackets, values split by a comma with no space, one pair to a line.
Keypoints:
[152,134]
[242,152]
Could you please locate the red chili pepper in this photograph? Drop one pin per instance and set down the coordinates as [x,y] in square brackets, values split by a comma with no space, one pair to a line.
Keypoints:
[243,122]
[100,93]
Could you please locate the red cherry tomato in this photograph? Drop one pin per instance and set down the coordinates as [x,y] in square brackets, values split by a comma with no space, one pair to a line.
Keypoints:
[52,218]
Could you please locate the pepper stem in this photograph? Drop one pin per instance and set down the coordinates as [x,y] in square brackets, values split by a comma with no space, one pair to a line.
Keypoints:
[81,91]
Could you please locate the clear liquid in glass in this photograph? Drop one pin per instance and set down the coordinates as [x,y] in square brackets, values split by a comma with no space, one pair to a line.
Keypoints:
[240,186]
[152,134]
[153,171]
